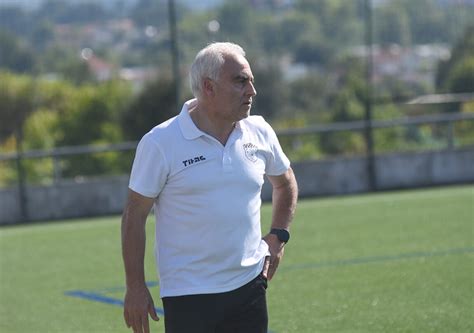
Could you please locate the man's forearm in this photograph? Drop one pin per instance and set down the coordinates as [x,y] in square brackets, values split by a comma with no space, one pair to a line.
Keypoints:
[134,238]
[284,198]
[133,247]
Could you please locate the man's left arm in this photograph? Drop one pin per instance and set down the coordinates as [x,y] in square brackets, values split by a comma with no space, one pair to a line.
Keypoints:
[284,198]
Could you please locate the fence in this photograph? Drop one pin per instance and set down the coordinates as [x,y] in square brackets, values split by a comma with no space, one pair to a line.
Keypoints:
[293,134]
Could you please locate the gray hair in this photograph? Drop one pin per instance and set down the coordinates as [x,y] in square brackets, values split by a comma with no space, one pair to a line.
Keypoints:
[208,63]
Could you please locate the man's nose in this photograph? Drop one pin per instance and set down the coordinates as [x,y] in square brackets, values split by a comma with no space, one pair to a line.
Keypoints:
[251,89]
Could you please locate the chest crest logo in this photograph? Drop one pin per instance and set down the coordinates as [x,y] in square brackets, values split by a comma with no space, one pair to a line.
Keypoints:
[251,152]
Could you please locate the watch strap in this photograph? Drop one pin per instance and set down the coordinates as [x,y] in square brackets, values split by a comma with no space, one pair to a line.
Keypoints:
[282,234]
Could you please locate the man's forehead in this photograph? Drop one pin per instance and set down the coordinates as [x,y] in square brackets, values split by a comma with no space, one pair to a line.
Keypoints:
[237,66]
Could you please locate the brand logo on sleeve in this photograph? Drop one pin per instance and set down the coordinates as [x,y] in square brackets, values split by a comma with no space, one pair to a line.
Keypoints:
[251,152]
[191,161]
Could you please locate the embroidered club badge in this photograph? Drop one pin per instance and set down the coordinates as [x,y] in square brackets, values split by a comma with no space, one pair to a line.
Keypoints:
[251,151]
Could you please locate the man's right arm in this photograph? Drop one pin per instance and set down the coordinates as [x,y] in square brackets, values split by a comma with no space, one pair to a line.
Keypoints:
[138,301]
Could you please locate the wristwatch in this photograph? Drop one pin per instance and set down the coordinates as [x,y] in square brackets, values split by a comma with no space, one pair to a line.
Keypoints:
[282,234]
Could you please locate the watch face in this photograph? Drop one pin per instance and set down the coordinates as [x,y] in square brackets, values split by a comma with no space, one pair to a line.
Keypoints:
[282,234]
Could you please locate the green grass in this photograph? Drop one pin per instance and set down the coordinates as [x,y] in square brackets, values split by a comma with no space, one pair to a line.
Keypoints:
[388,262]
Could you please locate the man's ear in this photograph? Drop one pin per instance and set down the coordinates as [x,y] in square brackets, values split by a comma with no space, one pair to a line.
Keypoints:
[208,87]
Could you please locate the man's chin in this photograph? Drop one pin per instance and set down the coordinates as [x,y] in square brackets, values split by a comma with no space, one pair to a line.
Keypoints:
[246,114]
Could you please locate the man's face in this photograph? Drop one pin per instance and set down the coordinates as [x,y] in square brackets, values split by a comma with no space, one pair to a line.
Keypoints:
[235,89]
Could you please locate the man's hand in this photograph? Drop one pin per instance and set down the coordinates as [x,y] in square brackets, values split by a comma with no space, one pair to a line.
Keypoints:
[138,305]
[277,250]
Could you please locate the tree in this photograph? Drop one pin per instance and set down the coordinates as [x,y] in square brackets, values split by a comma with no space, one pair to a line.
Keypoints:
[92,116]
[155,104]
[456,73]
[46,114]
[306,96]
[92,109]
[17,101]
[461,77]
[392,25]
[339,20]
[271,93]
[42,35]
[346,104]
[15,55]
[237,23]
[312,51]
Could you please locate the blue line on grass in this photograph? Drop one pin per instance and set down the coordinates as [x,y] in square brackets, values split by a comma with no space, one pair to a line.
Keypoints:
[375,259]
[98,296]
[94,297]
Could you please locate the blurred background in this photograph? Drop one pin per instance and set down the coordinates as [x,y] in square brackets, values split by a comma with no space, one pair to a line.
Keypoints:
[82,81]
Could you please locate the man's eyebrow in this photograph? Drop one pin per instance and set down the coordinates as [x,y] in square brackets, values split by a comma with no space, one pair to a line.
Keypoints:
[239,77]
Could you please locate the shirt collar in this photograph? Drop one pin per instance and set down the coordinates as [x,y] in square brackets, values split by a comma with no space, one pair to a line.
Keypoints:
[189,129]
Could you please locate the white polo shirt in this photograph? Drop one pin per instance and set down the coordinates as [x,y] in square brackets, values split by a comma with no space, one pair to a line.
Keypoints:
[207,206]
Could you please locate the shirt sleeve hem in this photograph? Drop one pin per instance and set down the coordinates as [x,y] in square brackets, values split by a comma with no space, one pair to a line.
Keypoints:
[145,193]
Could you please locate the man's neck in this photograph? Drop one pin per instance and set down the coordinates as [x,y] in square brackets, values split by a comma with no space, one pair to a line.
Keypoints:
[216,127]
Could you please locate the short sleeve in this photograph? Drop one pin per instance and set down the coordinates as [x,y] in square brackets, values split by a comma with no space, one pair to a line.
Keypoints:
[277,163]
[149,170]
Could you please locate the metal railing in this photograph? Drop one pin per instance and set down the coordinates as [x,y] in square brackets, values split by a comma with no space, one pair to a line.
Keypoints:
[444,118]
[56,154]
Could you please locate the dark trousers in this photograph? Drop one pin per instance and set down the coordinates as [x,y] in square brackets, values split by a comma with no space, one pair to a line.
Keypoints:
[243,310]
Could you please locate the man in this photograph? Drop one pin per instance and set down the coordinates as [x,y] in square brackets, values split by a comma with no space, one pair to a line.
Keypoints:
[203,171]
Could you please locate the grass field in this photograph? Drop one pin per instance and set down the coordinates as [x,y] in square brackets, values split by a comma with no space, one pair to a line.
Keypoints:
[388,262]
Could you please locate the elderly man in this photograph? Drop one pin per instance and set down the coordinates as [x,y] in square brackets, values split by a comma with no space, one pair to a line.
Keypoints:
[203,171]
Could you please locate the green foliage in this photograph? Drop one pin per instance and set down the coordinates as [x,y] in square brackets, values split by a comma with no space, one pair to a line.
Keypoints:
[64,115]
[461,77]
[271,92]
[449,70]
[340,20]
[38,129]
[43,35]
[39,134]
[94,118]
[65,64]
[307,97]
[433,22]
[311,51]
[347,104]
[236,19]
[293,25]
[155,104]
[392,25]
[17,101]
[16,55]
[464,131]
